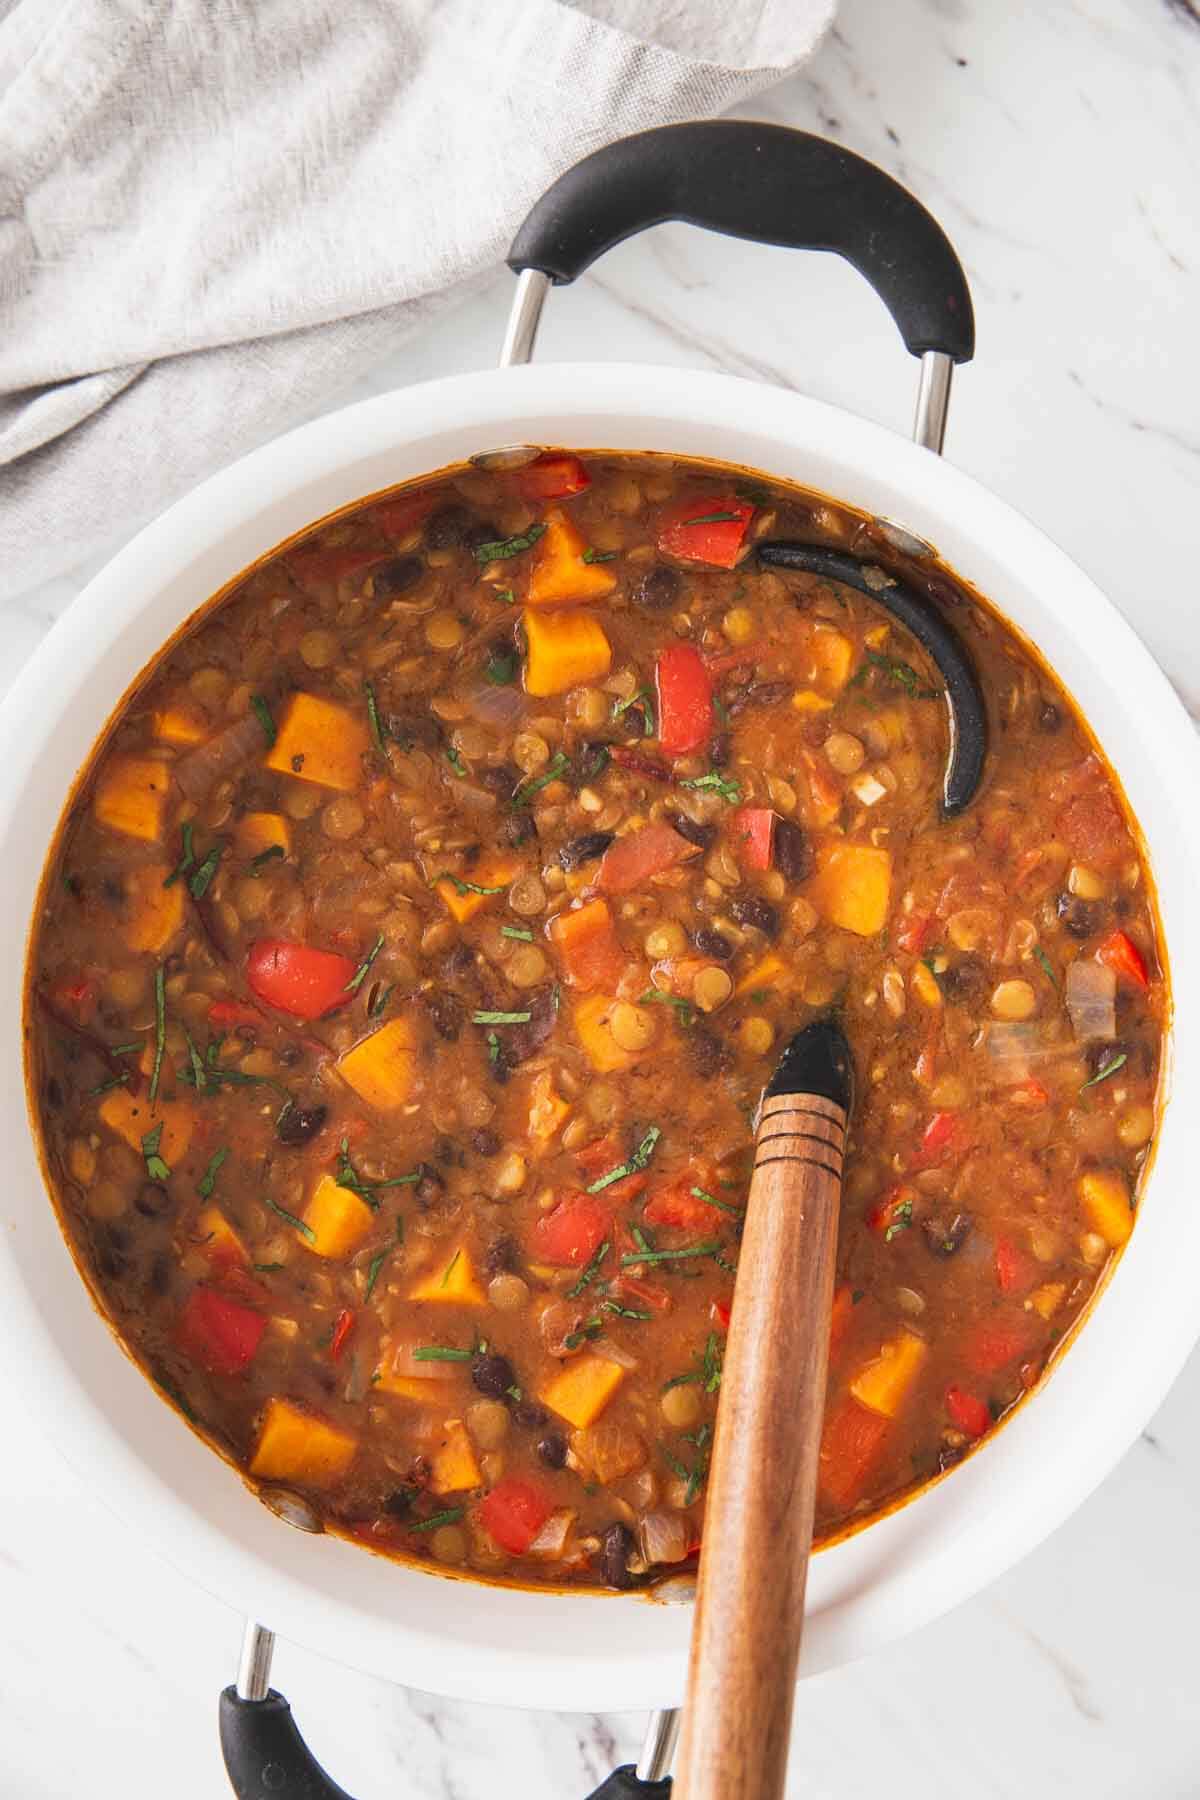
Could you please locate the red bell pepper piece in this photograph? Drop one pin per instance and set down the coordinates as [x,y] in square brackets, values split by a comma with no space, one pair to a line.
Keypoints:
[634,858]
[228,1014]
[942,1136]
[1014,1270]
[597,1159]
[995,1344]
[915,932]
[685,700]
[706,528]
[341,1332]
[642,1293]
[297,979]
[571,1234]
[754,836]
[720,1312]
[851,1446]
[217,1333]
[554,476]
[514,1512]
[967,1411]
[676,1207]
[1122,956]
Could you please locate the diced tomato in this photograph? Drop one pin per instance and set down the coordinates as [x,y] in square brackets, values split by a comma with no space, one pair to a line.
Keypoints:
[754,836]
[397,517]
[571,1234]
[839,1318]
[341,1332]
[851,1446]
[1014,1270]
[321,564]
[994,1345]
[706,528]
[597,1159]
[297,979]
[942,1137]
[554,476]
[226,1015]
[1122,956]
[915,932]
[514,1512]
[685,700]
[967,1411]
[676,1207]
[634,858]
[893,1214]
[642,1293]
[587,942]
[1092,825]
[720,1312]
[217,1333]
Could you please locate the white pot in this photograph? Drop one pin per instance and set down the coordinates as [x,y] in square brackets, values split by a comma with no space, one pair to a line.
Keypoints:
[544,1649]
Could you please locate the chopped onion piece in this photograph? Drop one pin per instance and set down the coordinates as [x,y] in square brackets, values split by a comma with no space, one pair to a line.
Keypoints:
[1013,1046]
[198,771]
[1091,994]
[551,1541]
[865,788]
[614,1353]
[663,1537]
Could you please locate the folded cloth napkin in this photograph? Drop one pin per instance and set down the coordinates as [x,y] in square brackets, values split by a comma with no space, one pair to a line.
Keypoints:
[216,213]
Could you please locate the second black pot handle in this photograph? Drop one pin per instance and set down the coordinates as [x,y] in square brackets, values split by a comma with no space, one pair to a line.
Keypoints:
[750,180]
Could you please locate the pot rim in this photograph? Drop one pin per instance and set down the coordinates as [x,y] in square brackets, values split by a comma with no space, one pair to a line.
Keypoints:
[568,1650]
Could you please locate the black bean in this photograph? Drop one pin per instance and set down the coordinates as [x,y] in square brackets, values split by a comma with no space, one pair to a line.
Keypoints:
[501,1255]
[756,915]
[399,1502]
[159,1278]
[519,1042]
[458,959]
[493,1375]
[709,1055]
[484,1142]
[793,852]
[396,576]
[964,981]
[54,1094]
[1049,716]
[1080,917]
[152,1200]
[713,943]
[410,730]
[501,781]
[529,1414]
[480,532]
[428,1190]
[298,1125]
[112,1263]
[616,1548]
[584,849]
[701,835]
[447,527]
[447,1012]
[552,1448]
[518,827]
[656,590]
[720,750]
[944,1239]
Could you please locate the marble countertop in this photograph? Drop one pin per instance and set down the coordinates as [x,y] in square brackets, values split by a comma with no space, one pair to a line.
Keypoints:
[1059,145]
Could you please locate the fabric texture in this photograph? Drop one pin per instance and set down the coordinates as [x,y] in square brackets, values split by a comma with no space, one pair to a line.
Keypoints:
[216,213]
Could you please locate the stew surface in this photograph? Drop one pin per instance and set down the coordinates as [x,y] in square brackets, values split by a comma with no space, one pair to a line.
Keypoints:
[419,940]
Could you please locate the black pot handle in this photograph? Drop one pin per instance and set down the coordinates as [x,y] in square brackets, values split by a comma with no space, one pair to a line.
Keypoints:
[770,184]
[265,1756]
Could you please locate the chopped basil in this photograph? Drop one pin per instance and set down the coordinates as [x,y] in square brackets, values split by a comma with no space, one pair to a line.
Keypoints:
[708,1248]
[643,702]
[267,1268]
[590,1273]
[517,931]
[106,1087]
[380,999]
[376,728]
[682,1007]
[641,1156]
[364,968]
[160,1029]
[288,1218]
[1105,1070]
[502,548]
[199,1072]
[493,1044]
[186,860]
[595,556]
[728,789]
[902,673]
[711,1364]
[270,854]
[456,763]
[505,594]
[554,770]
[468,887]
[711,1200]
[262,713]
[591,1328]
[447,1516]
[208,1181]
[1046,965]
[156,1168]
[714,518]
[623,1312]
[900,1221]
[380,1257]
[501,668]
[450,1268]
[500,1018]
[199,884]
[440,1353]
[348,1177]
[760,996]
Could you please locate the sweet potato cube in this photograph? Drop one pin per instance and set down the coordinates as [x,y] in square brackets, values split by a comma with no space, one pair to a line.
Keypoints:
[131,796]
[592,1029]
[560,576]
[452,1280]
[1107,1206]
[296,1446]
[563,650]
[852,886]
[885,1383]
[338,1219]
[831,657]
[464,901]
[582,1389]
[769,972]
[259,831]
[398,1372]
[381,1068]
[154,912]
[219,1241]
[320,742]
[453,1466]
[587,942]
[547,1108]
[807,700]
[130,1116]
[179,724]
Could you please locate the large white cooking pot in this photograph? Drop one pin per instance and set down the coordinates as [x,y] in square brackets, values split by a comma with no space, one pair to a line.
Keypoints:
[559,1650]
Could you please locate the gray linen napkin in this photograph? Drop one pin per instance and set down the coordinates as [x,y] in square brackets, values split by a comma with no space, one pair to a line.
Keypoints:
[215,213]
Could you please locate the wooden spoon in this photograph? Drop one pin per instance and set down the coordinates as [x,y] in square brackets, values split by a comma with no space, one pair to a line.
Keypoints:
[758,1515]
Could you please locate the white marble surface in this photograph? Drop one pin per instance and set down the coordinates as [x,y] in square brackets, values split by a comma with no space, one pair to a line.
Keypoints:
[1059,143]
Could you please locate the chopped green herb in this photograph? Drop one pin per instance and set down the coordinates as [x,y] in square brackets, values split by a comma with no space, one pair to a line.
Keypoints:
[591,1328]
[515,1393]
[721,710]
[902,673]
[380,999]
[682,1007]
[641,1156]
[554,770]
[447,1516]
[749,490]
[728,789]
[493,1044]
[711,1363]
[106,1087]
[760,996]
[502,548]
[659,1256]
[267,1268]
[930,957]
[517,931]
[723,1263]
[306,1231]
[711,1200]
[1105,1070]
[642,1238]
[456,763]
[500,1018]
[594,556]
[186,860]
[172,1392]
[74,886]
[590,1273]
[1047,966]
[199,884]
[364,968]
[348,1177]
[623,1312]
[900,1221]
[259,862]
[501,668]
[208,1180]
[715,518]
[467,887]
[160,1029]
[373,720]
[440,1353]
[262,713]
[125,1049]
[505,594]
[156,1168]
[450,1268]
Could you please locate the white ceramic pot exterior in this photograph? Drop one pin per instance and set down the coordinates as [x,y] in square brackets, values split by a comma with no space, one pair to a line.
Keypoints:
[553,1650]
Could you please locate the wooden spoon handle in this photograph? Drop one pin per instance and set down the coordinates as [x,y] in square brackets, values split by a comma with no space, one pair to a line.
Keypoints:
[762,1485]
